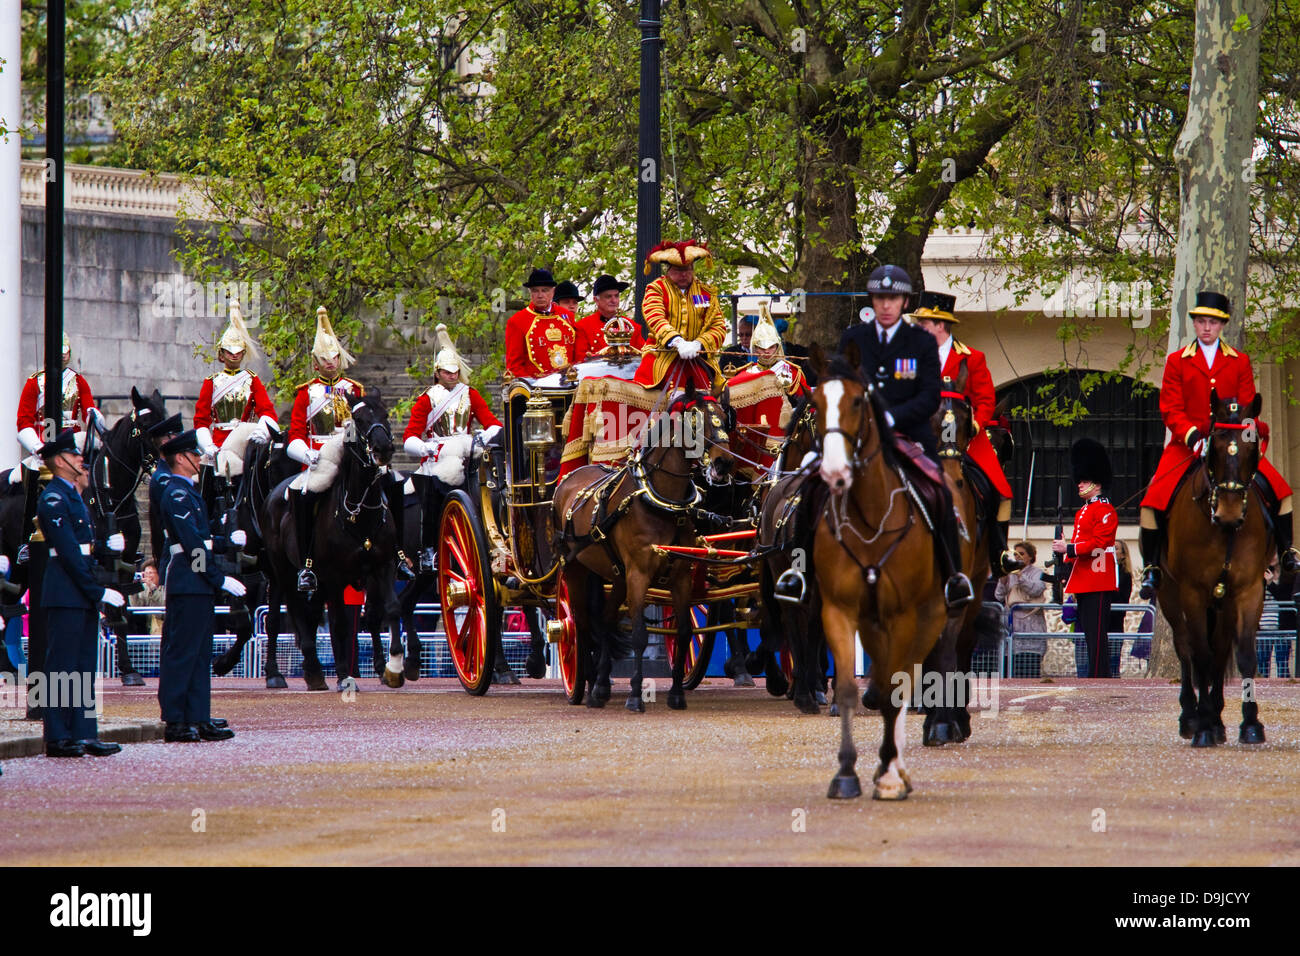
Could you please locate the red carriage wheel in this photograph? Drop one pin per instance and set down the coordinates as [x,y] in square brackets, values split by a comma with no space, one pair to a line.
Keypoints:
[700,650]
[471,615]
[569,650]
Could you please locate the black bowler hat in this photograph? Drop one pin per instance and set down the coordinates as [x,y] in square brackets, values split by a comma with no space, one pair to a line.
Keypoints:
[935,305]
[185,441]
[1213,304]
[1090,462]
[168,426]
[889,280]
[604,283]
[540,277]
[66,442]
[567,290]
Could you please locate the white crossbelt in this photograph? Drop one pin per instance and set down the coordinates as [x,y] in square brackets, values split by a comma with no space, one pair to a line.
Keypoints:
[180,548]
[85,549]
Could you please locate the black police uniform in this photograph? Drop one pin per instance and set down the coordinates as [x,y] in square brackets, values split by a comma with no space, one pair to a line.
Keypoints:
[70,598]
[193,579]
[906,374]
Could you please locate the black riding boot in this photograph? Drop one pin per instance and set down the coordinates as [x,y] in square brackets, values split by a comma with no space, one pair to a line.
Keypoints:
[1001,558]
[304,519]
[1287,557]
[957,589]
[31,483]
[1151,542]
[394,491]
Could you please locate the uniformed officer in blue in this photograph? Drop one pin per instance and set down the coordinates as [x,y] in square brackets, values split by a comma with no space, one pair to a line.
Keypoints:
[193,580]
[70,599]
[160,434]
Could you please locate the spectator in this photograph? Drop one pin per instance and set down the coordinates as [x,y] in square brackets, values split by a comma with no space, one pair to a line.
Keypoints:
[1121,595]
[1025,586]
[1284,619]
[152,595]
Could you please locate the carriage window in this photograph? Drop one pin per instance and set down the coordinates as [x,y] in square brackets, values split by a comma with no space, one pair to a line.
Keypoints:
[1125,420]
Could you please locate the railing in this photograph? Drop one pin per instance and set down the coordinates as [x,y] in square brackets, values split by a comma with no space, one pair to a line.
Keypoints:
[127,192]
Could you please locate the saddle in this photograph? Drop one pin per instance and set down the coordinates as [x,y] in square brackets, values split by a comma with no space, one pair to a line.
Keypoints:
[925,478]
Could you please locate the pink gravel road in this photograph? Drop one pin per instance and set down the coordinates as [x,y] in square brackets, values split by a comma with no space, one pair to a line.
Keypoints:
[429,775]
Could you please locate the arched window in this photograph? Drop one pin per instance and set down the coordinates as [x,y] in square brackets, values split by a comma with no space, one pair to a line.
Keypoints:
[1125,419]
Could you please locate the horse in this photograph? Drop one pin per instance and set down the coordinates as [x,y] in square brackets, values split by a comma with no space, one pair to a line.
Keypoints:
[1213,590]
[355,539]
[609,522]
[875,565]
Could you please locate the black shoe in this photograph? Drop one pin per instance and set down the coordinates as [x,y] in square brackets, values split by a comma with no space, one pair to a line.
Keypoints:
[64,748]
[218,722]
[427,560]
[1150,582]
[100,748]
[181,734]
[212,732]
[957,592]
[306,580]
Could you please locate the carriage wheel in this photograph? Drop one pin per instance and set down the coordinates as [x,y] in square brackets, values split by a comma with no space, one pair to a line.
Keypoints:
[700,650]
[569,650]
[471,615]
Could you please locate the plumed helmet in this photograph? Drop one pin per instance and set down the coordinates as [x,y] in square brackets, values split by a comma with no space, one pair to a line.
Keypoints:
[235,339]
[327,346]
[765,333]
[448,356]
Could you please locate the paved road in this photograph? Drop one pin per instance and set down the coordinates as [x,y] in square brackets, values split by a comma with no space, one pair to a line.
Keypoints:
[428,775]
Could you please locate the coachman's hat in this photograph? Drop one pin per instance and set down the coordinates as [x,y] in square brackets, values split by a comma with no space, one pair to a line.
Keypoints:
[936,306]
[567,290]
[185,441]
[889,280]
[1090,462]
[605,282]
[540,278]
[1213,304]
[66,442]
[684,253]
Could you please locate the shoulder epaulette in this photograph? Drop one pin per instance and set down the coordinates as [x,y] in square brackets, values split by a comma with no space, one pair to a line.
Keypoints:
[961,348]
[1228,350]
[361,389]
[1190,351]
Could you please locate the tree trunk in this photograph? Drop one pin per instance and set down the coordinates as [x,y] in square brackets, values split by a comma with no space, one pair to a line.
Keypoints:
[1213,155]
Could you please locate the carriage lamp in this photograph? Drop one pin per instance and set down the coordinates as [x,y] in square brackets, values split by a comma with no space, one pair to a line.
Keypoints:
[539,424]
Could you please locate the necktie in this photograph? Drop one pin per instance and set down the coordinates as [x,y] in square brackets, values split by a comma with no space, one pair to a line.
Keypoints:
[884,339]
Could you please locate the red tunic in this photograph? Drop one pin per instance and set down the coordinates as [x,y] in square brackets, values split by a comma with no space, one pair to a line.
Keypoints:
[256,404]
[421,422]
[1091,551]
[591,336]
[758,431]
[694,315]
[539,343]
[979,390]
[31,405]
[325,419]
[1185,405]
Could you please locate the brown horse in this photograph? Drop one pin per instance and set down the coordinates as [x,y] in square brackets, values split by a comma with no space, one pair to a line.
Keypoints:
[1213,590]
[876,570]
[610,521]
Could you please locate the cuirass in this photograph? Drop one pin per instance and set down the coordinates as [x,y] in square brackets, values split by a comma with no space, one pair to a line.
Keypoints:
[453,421]
[70,394]
[230,407]
[334,412]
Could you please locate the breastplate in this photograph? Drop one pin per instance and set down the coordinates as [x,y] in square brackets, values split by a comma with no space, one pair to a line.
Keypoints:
[230,407]
[334,411]
[70,395]
[455,419]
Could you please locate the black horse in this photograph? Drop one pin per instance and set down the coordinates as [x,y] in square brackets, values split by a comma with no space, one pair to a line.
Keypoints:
[354,543]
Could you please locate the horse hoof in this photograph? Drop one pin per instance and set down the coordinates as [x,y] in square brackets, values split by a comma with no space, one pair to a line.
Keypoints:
[223,666]
[742,679]
[736,666]
[887,789]
[133,679]
[1220,734]
[777,685]
[276,682]
[316,682]
[1203,738]
[636,705]
[393,678]
[412,670]
[505,676]
[963,725]
[844,787]
[936,735]
[835,710]
[348,685]
[535,666]
[754,663]
[596,703]
[676,700]
[1251,734]
[871,698]
[1185,728]
[806,705]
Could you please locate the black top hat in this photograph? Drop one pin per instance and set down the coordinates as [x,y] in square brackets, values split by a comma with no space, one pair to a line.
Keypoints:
[935,305]
[540,277]
[185,441]
[604,283]
[567,290]
[66,442]
[168,426]
[1090,462]
[1212,304]
[889,280]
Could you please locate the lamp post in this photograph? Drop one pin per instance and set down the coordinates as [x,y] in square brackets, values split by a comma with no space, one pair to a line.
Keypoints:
[648,153]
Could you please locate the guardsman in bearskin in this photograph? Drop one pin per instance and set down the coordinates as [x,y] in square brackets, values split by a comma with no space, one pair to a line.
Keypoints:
[1090,552]
[78,404]
[591,328]
[934,313]
[70,598]
[438,433]
[1190,373]
[903,362]
[541,337]
[684,317]
[234,395]
[193,579]
[321,408]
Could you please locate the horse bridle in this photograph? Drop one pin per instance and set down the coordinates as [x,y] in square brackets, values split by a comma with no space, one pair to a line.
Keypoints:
[1229,486]
[855,461]
[949,449]
[147,460]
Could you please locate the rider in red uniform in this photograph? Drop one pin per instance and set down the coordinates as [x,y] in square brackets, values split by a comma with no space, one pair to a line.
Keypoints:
[769,415]
[591,328]
[234,395]
[541,337]
[684,317]
[934,313]
[1191,373]
[1094,573]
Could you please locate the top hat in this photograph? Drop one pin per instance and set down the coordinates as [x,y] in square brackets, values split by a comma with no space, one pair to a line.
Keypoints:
[1213,304]
[540,277]
[567,290]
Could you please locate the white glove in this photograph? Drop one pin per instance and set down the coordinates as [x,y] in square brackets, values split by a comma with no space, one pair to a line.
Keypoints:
[490,433]
[301,452]
[30,440]
[268,424]
[4,564]
[206,444]
[686,348]
[414,446]
[238,538]
[433,446]
[115,543]
[98,417]
[113,597]
[1198,449]
[233,586]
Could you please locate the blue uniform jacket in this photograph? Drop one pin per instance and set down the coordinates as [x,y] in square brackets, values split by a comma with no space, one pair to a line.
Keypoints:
[192,570]
[157,527]
[65,523]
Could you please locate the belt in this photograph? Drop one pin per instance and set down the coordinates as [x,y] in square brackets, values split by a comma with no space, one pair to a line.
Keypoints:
[85,549]
[180,548]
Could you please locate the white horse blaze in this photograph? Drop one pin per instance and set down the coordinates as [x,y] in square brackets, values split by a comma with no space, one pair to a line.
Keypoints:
[835,457]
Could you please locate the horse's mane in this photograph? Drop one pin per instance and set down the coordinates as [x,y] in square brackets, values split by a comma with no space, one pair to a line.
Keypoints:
[839,367]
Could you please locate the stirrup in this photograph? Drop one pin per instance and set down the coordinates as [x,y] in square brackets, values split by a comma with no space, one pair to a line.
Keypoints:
[307,578]
[404,571]
[427,560]
[24,554]
[1289,561]
[1009,563]
[957,591]
[1150,582]
[790,587]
